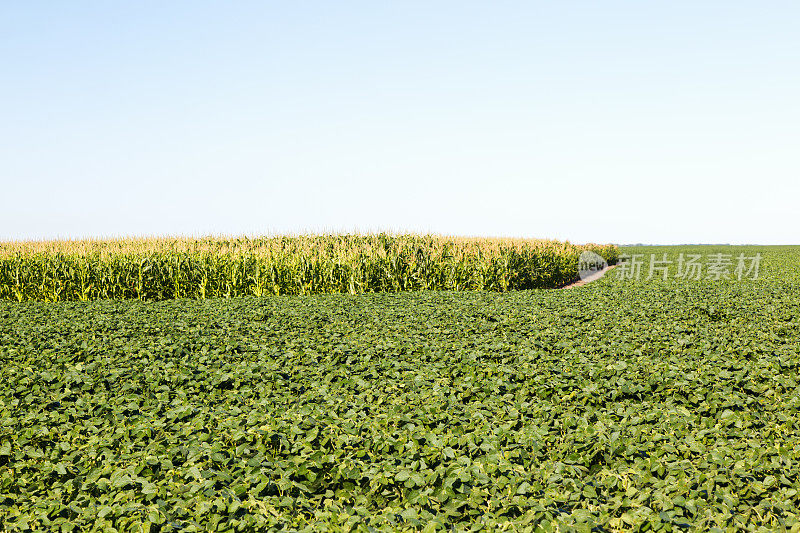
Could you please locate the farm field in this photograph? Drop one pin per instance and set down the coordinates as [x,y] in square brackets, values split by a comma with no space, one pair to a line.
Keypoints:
[624,404]
[166,268]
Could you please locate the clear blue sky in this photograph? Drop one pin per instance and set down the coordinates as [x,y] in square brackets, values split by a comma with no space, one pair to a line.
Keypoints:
[590,121]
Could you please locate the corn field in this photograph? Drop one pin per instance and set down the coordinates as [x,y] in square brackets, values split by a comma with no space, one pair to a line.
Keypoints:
[162,268]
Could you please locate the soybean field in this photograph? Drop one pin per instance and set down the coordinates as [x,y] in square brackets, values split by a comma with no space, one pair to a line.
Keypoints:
[660,402]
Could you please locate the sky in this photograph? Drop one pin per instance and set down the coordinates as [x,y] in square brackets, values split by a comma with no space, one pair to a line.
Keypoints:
[625,122]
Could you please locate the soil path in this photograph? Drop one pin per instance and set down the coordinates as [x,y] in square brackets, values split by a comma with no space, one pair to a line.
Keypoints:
[597,275]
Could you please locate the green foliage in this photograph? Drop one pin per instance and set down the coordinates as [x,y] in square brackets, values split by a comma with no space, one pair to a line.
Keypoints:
[619,405]
[215,268]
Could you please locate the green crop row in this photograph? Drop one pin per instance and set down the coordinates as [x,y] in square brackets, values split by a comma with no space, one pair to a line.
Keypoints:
[213,268]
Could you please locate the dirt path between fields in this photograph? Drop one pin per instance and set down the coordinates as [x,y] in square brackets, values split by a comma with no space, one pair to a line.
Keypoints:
[597,275]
